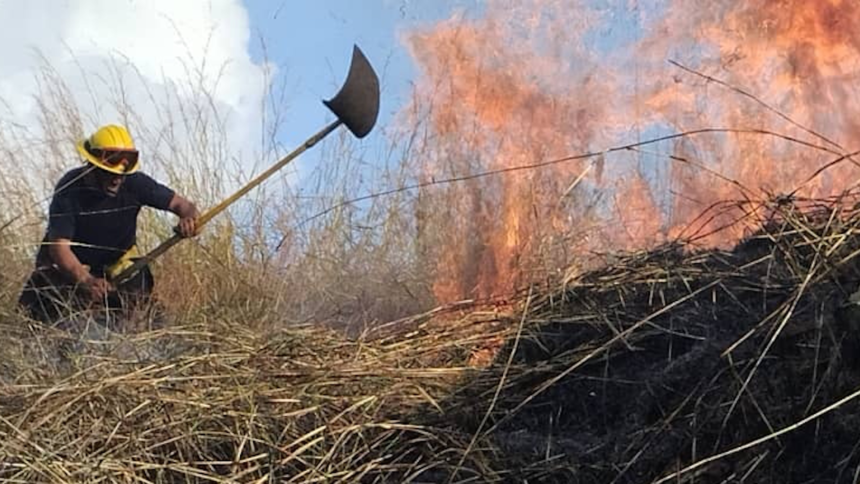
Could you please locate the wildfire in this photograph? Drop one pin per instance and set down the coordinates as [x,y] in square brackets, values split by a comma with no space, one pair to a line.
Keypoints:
[535,80]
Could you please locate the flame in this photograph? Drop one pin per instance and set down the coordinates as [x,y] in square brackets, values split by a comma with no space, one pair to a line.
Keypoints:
[533,80]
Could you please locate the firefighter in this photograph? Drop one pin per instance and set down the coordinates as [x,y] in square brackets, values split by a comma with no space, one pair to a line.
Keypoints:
[92,228]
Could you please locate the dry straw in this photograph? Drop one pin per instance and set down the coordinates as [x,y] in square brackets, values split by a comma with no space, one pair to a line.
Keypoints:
[719,366]
[666,365]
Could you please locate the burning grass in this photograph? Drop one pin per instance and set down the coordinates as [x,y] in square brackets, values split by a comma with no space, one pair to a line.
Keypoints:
[735,365]
[647,369]
[669,365]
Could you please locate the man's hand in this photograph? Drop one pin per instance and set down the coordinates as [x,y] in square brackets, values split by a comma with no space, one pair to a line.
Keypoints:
[187,227]
[97,288]
[94,287]
[187,213]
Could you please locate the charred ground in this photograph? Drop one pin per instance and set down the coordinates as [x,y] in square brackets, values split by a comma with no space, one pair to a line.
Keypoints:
[665,358]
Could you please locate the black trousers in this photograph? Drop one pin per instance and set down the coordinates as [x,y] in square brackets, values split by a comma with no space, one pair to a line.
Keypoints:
[49,296]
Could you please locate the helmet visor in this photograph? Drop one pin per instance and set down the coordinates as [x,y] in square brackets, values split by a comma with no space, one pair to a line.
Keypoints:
[127,159]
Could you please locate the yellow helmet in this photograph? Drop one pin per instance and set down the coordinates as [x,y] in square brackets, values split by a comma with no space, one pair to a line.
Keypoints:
[111,149]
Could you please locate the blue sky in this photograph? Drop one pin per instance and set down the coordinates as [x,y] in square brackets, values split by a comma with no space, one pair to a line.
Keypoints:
[311,44]
[152,44]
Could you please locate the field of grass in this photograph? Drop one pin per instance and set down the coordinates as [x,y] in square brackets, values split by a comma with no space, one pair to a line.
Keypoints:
[272,362]
[331,359]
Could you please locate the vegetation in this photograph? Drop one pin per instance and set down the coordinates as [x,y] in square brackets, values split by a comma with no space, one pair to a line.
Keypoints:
[324,360]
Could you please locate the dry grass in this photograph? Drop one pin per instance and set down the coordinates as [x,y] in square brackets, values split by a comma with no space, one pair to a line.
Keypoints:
[663,365]
[722,366]
[220,402]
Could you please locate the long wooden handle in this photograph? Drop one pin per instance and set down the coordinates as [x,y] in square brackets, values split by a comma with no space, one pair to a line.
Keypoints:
[212,212]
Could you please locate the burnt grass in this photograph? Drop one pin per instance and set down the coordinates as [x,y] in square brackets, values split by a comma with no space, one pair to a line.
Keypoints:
[631,373]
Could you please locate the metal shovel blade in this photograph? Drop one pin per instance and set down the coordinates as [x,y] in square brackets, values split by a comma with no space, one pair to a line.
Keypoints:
[357,102]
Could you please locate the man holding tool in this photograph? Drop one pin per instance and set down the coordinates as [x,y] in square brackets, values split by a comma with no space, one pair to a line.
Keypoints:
[92,229]
[104,206]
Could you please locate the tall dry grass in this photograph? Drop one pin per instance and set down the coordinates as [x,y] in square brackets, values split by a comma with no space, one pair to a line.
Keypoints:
[249,303]
[269,253]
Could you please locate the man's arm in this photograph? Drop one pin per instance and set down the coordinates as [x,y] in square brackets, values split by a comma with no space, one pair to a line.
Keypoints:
[61,229]
[61,254]
[187,213]
[154,194]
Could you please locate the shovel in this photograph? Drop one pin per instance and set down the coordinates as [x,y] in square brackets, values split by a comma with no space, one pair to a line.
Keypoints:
[356,106]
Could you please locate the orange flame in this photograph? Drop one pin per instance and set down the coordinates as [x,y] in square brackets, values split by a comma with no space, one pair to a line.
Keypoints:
[533,80]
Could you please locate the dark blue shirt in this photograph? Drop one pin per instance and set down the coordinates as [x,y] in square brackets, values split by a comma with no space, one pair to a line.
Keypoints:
[101,227]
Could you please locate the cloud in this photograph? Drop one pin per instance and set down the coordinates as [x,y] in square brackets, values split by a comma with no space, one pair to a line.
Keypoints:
[152,58]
